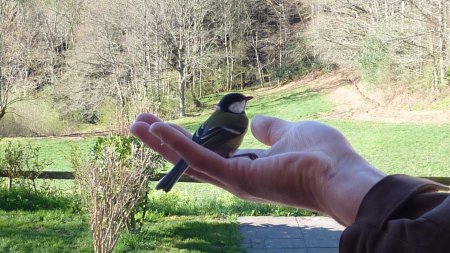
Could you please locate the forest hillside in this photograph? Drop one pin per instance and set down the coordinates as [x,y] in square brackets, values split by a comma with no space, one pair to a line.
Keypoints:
[78,65]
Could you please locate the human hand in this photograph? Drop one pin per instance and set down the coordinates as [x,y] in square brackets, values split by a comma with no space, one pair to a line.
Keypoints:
[307,165]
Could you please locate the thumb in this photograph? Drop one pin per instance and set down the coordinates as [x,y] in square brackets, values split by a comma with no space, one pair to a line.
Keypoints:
[268,130]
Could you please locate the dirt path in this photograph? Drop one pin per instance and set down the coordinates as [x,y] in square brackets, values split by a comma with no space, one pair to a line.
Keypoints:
[73,136]
[349,104]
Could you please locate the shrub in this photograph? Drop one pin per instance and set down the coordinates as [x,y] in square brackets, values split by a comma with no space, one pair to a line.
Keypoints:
[22,162]
[112,182]
[297,68]
[373,61]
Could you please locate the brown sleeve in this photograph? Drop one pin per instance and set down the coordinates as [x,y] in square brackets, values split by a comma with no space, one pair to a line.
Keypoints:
[401,214]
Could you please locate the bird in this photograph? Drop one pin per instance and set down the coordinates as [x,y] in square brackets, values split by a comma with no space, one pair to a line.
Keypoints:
[222,133]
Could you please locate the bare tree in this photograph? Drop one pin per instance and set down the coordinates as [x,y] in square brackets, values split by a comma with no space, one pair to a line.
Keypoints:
[184,37]
[433,16]
[412,34]
[13,58]
[33,38]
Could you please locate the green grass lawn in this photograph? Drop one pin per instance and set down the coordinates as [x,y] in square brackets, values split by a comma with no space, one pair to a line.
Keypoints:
[59,231]
[50,223]
[43,231]
[205,199]
[56,150]
[193,217]
[184,234]
[414,149]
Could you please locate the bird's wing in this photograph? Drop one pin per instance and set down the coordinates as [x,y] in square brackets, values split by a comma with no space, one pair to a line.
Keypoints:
[212,138]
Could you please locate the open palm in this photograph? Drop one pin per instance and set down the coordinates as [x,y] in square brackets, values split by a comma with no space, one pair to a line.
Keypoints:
[305,165]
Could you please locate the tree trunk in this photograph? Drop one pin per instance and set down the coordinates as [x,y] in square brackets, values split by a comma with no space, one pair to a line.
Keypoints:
[157,63]
[231,63]
[442,41]
[2,112]
[280,54]
[131,224]
[33,180]
[258,62]
[227,57]
[434,85]
[197,102]
[182,89]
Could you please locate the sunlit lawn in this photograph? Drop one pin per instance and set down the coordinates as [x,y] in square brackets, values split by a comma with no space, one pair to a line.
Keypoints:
[414,149]
[56,150]
[58,231]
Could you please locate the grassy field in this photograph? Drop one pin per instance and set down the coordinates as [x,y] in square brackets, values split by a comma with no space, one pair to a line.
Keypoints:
[62,231]
[415,149]
[56,150]
[44,231]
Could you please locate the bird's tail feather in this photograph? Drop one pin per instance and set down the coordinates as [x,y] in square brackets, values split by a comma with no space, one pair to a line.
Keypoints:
[169,180]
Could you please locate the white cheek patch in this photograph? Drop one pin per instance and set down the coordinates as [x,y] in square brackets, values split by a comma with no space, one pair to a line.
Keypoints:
[237,107]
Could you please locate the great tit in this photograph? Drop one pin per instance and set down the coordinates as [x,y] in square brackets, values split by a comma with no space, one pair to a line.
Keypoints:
[222,133]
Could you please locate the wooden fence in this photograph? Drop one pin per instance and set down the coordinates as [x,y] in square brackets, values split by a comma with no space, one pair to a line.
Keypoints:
[68,175]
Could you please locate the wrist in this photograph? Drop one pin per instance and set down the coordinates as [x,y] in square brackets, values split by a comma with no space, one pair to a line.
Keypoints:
[345,188]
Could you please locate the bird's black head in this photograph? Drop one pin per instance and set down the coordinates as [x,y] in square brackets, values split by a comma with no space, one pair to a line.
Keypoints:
[233,102]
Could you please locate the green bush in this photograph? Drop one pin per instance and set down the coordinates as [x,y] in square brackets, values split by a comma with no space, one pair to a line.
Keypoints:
[373,61]
[122,146]
[10,125]
[86,115]
[284,72]
[296,68]
[16,159]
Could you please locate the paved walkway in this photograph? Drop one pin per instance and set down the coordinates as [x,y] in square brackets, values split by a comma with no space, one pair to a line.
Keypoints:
[266,234]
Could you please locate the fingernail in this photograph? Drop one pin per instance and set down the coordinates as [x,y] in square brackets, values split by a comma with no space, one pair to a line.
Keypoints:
[153,130]
[258,116]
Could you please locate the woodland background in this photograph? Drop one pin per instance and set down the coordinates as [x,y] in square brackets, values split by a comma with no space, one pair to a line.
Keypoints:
[73,65]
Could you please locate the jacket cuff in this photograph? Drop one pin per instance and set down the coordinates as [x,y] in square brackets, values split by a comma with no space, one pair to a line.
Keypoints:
[390,194]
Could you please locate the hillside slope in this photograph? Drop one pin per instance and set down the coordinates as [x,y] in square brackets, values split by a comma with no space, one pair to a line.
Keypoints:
[352,101]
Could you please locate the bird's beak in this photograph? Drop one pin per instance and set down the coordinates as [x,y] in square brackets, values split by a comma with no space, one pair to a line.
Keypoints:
[247,98]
